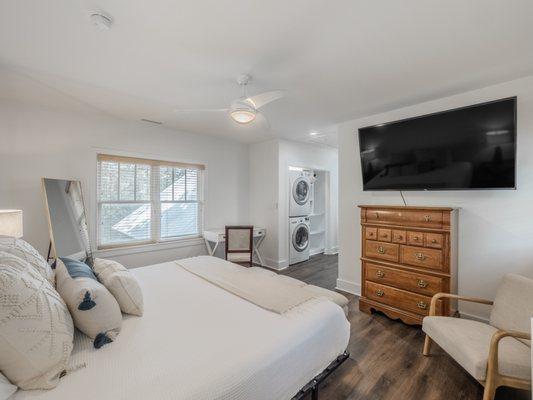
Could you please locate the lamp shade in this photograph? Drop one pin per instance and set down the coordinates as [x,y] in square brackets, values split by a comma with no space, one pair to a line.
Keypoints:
[11,223]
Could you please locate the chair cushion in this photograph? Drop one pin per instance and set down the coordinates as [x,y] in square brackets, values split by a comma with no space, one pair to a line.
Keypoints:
[513,305]
[36,330]
[122,284]
[468,342]
[27,252]
[6,388]
[93,308]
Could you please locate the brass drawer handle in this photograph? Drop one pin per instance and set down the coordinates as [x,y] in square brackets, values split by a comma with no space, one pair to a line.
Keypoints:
[399,237]
[434,241]
[380,274]
[380,293]
[381,250]
[370,233]
[427,218]
[421,283]
[420,256]
[421,305]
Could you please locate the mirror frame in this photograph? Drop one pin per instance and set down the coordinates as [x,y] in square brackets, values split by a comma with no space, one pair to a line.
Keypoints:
[52,251]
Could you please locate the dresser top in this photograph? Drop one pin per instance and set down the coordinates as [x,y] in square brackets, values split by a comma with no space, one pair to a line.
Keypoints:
[381,207]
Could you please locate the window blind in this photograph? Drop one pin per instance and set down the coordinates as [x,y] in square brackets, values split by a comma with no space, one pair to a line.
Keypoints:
[147,201]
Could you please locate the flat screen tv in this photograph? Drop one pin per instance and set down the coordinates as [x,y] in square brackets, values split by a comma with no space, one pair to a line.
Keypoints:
[472,147]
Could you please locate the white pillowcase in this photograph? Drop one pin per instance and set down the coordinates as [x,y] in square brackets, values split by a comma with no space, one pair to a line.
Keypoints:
[94,310]
[24,250]
[6,388]
[122,284]
[36,330]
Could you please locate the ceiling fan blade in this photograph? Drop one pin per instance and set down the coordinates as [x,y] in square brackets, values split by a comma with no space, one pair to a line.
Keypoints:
[259,100]
[198,110]
[262,121]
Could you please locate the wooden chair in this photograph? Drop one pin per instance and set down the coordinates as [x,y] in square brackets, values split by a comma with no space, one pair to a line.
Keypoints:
[498,353]
[239,244]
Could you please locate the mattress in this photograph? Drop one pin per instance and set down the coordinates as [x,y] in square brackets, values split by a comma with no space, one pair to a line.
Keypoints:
[197,341]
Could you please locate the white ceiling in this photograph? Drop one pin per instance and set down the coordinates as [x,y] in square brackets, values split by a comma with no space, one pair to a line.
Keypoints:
[337,59]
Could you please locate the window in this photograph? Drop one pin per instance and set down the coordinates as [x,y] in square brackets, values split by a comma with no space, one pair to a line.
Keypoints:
[147,201]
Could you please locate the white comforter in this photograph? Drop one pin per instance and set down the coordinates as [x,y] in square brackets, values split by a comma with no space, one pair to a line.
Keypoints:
[197,341]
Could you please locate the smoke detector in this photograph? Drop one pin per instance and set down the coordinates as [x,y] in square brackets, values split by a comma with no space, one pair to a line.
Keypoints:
[101,20]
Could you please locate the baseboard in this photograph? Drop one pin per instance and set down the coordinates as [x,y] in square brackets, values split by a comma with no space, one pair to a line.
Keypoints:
[276,265]
[331,251]
[348,287]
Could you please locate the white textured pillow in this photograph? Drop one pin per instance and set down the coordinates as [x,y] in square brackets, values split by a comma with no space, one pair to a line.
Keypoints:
[24,250]
[36,330]
[122,284]
[94,310]
[6,388]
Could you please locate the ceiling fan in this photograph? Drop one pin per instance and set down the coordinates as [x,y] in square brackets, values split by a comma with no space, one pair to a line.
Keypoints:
[244,109]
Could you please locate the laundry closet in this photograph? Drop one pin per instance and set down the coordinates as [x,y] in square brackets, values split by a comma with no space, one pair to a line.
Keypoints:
[307,213]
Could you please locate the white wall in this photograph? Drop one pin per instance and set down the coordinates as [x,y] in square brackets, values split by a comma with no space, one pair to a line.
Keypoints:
[264,195]
[495,227]
[36,141]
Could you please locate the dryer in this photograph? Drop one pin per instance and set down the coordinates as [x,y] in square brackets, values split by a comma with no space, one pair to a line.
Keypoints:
[299,239]
[301,189]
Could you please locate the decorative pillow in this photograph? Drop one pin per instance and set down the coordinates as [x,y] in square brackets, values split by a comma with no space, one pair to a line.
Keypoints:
[94,310]
[6,388]
[24,250]
[36,330]
[122,284]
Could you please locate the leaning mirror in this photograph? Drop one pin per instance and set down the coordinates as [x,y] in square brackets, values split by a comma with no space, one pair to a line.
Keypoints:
[67,219]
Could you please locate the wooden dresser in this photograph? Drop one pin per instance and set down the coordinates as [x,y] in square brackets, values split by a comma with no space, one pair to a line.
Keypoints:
[408,255]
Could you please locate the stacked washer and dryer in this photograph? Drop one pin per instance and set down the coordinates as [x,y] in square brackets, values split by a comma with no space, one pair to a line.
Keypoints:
[300,208]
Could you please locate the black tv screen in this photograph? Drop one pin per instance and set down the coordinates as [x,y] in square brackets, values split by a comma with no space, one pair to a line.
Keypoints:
[467,148]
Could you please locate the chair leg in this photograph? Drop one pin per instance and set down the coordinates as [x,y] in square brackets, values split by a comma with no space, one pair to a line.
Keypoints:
[491,380]
[427,346]
[490,390]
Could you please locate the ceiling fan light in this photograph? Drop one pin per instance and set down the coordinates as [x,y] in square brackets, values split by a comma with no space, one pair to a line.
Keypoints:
[243,116]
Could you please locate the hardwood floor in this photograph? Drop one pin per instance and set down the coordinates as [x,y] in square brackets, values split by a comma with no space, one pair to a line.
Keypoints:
[386,359]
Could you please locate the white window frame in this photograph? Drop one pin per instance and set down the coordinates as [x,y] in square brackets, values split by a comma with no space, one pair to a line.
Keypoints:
[155,201]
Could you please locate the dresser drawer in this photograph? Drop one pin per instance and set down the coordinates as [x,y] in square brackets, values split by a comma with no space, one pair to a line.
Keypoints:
[371,233]
[402,299]
[434,240]
[399,236]
[381,250]
[422,218]
[425,219]
[415,238]
[422,257]
[384,235]
[412,281]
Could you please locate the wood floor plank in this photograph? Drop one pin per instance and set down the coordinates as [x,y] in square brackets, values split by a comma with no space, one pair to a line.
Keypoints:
[386,361]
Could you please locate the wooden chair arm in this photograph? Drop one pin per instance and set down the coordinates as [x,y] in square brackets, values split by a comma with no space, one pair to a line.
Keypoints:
[435,298]
[492,364]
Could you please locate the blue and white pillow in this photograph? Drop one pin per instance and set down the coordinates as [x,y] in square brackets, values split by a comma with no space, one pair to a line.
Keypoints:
[93,308]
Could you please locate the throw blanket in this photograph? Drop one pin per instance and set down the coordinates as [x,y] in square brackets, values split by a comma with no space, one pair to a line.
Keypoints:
[263,290]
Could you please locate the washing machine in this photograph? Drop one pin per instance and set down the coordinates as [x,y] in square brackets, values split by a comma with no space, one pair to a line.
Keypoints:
[301,189]
[299,239]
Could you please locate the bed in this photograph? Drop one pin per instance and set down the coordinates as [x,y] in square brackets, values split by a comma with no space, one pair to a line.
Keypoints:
[198,341]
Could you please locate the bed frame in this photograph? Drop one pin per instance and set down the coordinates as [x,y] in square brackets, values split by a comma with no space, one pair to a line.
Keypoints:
[312,386]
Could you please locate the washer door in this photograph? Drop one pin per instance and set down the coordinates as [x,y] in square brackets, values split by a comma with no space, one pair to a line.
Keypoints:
[300,191]
[300,237]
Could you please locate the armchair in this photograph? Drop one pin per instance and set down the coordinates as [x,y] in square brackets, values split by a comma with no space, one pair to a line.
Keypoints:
[495,354]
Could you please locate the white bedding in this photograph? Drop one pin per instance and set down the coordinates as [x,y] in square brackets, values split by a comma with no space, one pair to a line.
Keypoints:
[197,341]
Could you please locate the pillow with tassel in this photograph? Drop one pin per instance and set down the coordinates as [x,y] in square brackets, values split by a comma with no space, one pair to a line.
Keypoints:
[93,308]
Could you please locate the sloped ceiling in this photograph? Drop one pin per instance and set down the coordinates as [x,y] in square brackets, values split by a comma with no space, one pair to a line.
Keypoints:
[337,60]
